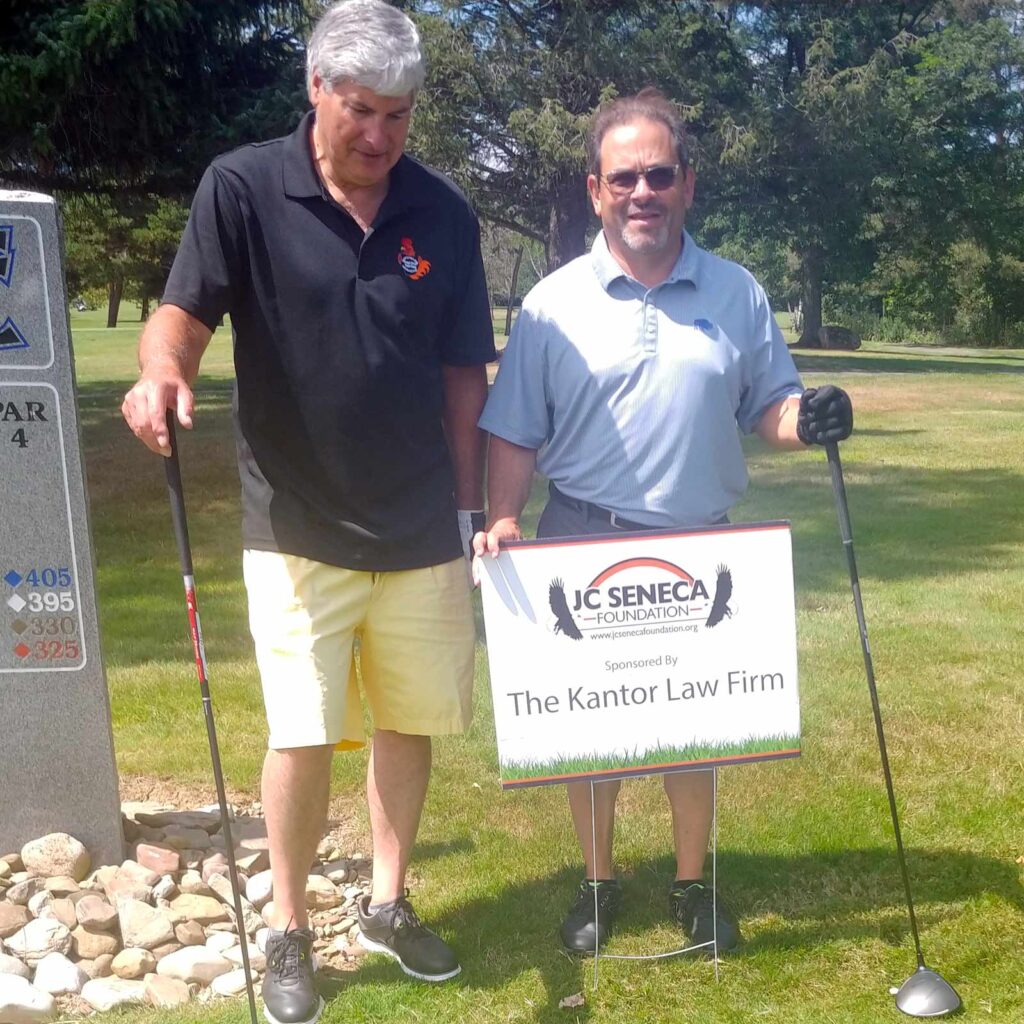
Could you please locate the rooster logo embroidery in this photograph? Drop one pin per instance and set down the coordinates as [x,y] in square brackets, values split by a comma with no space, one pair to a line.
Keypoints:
[414,266]
[723,591]
[564,622]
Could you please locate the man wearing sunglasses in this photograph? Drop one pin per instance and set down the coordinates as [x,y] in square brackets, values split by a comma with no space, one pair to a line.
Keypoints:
[624,381]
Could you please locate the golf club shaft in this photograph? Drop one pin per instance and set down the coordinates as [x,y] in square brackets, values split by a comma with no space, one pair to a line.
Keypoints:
[180,524]
[843,510]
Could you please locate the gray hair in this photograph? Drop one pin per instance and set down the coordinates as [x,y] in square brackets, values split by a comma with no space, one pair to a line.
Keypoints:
[370,43]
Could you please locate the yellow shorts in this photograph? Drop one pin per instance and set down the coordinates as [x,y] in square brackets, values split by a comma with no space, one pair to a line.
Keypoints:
[416,637]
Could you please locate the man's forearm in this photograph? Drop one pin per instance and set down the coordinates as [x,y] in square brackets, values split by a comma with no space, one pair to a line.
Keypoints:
[509,478]
[778,424]
[175,339]
[465,391]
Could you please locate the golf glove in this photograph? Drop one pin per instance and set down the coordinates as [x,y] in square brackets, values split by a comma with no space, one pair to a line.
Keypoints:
[826,415]
[470,522]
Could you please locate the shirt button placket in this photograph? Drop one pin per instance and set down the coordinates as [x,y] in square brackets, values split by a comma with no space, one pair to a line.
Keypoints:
[650,324]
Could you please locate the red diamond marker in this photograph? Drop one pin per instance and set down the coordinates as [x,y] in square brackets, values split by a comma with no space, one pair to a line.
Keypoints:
[22,650]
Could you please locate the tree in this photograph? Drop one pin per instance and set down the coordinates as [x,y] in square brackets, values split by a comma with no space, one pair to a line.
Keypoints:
[123,245]
[949,224]
[514,84]
[140,96]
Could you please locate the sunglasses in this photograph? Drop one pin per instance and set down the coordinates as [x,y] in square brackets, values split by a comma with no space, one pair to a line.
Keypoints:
[658,179]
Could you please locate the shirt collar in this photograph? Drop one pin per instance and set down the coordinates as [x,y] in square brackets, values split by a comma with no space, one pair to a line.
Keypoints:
[302,181]
[686,267]
[298,173]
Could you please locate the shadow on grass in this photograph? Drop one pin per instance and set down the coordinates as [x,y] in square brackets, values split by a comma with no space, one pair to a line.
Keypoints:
[926,364]
[819,899]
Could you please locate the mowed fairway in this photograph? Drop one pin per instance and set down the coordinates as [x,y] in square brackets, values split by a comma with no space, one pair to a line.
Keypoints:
[935,478]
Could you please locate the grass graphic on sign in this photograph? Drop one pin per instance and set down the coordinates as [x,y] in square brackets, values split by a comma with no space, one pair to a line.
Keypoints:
[659,756]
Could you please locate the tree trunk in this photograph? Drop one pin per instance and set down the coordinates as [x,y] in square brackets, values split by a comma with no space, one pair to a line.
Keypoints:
[512,290]
[567,225]
[144,314]
[812,268]
[114,292]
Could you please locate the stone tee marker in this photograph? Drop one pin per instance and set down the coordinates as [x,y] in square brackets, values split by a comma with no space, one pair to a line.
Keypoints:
[57,770]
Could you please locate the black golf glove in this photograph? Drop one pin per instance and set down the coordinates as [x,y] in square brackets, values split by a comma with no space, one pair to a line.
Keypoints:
[826,414]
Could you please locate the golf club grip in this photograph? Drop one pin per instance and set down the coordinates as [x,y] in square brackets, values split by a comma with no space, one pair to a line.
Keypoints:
[172,467]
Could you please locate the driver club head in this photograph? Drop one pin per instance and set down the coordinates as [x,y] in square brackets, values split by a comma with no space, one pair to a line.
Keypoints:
[927,994]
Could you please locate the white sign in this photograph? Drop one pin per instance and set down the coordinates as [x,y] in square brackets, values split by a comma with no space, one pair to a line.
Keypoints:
[644,653]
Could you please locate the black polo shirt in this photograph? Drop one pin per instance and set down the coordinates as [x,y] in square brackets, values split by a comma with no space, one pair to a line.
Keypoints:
[339,343]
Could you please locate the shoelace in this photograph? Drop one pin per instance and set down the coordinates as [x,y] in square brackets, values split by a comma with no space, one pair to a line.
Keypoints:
[285,956]
[691,899]
[606,895]
[405,918]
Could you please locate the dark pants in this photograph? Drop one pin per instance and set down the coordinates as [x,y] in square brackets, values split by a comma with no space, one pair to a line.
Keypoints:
[565,517]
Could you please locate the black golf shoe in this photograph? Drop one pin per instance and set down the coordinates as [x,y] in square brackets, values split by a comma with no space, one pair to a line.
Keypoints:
[693,906]
[580,930]
[289,991]
[397,932]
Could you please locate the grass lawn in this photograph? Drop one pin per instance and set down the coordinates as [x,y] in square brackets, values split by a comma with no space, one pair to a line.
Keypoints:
[935,477]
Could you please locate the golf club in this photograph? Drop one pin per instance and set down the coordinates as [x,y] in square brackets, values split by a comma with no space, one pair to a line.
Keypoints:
[180,523]
[925,993]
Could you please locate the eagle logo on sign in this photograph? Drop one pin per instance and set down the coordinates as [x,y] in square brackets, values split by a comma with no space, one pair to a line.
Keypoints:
[7,252]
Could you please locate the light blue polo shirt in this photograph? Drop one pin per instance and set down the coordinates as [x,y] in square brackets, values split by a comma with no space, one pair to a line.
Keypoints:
[632,395]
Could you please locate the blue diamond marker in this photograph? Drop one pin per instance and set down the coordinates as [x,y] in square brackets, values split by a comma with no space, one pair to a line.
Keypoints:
[13,578]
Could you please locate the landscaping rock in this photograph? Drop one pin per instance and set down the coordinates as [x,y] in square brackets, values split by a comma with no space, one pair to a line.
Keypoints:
[252,861]
[259,889]
[161,858]
[57,975]
[186,838]
[221,941]
[321,893]
[37,938]
[22,1003]
[38,903]
[105,993]
[165,889]
[12,918]
[193,884]
[165,950]
[88,945]
[202,909]
[142,925]
[208,821]
[229,984]
[190,933]
[194,964]
[222,887]
[64,911]
[95,913]
[24,889]
[61,885]
[12,965]
[214,864]
[165,993]
[337,871]
[257,961]
[56,854]
[133,963]
[98,968]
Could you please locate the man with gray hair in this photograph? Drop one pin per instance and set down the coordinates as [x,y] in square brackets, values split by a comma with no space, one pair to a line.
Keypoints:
[361,326]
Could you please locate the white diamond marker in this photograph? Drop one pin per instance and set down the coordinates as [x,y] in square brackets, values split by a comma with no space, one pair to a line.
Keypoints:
[17,602]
